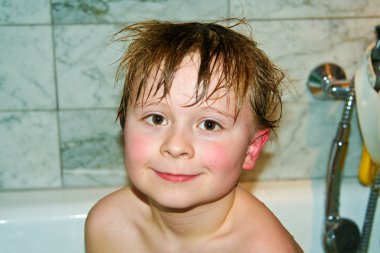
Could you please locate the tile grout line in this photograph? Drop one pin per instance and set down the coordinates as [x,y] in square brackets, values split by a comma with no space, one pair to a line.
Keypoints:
[270,19]
[56,95]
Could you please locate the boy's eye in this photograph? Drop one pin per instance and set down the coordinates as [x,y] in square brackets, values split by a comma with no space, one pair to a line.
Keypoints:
[210,125]
[156,119]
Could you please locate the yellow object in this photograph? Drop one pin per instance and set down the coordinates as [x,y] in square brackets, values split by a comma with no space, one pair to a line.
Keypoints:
[367,170]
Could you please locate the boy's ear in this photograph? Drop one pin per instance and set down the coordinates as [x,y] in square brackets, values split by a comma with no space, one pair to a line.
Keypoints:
[254,149]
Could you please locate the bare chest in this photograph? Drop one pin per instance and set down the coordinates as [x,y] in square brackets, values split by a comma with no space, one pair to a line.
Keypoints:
[158,244]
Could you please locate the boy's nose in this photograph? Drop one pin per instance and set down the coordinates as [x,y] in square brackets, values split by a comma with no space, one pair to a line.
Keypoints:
[178,144]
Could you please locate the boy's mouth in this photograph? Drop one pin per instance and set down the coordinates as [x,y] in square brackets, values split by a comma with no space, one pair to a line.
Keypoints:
[176,178]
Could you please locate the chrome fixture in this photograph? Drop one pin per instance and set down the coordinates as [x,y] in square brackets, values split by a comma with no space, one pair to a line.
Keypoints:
[328,81]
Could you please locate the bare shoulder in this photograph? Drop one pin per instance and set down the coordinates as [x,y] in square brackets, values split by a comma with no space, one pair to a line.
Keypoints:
[108,219]
[109,207]
[264,232]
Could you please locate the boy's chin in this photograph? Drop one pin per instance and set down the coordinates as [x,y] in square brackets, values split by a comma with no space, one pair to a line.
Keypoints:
[180,198]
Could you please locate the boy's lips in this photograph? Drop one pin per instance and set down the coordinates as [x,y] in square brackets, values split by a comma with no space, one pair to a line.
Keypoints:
[176,178]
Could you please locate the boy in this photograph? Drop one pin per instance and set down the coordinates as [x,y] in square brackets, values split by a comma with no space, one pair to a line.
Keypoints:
[198,105]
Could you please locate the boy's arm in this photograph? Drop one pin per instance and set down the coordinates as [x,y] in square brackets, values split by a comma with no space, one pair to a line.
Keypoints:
[95,238]
[298,248]
[101,229]
[106,222]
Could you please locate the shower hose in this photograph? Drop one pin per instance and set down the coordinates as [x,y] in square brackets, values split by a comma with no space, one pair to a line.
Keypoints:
[370,214]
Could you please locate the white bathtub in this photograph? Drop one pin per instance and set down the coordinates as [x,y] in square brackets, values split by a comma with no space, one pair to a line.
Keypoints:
[52,221]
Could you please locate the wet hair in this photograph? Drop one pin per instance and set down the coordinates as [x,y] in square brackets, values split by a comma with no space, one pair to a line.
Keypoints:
[158,48]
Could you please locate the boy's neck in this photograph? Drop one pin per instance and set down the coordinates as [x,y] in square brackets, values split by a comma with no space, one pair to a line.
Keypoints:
[207,220]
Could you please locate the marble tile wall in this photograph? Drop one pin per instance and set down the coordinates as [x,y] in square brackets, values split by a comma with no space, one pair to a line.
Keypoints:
[58,97]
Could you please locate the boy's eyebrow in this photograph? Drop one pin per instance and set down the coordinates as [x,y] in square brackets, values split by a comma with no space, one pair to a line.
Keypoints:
[147,103]
[224,113]
[205,107]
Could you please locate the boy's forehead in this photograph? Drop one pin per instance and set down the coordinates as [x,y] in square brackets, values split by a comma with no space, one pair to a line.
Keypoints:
[185,85]
[151,96]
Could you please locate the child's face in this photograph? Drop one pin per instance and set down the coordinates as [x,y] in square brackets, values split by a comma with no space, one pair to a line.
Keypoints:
[182,156]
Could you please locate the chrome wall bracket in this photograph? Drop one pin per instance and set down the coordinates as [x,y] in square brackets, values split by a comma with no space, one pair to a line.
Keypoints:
[328,81]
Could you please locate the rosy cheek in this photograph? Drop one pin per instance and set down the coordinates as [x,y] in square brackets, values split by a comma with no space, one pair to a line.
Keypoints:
[215,156]
[226,156]
[136,147]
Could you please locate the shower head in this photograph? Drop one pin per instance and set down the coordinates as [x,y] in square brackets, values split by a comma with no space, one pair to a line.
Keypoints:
[342,236]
